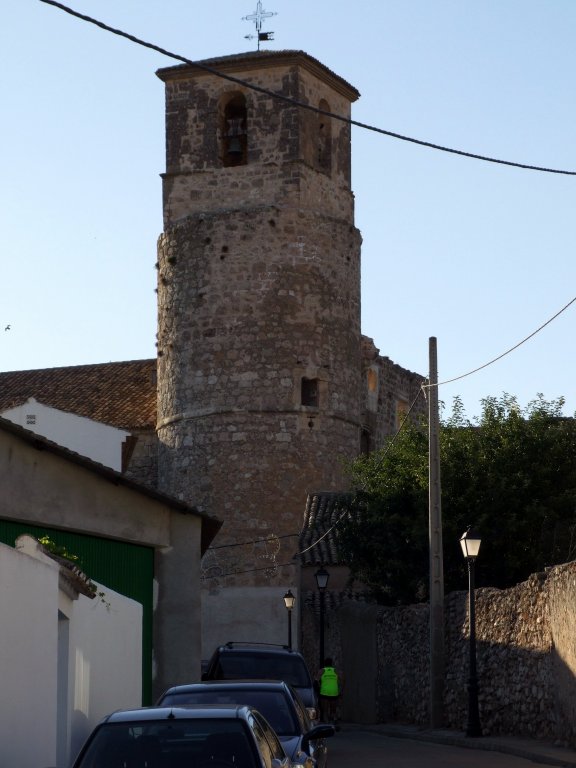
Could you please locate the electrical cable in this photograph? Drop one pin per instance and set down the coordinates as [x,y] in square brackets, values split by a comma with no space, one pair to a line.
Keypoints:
[423,389]
[344,513]
[358,124]
[315,543]
[508,351]
[208,577]
[250,542]
[301,104]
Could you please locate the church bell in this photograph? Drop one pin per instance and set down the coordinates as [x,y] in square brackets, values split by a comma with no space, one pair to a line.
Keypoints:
[234,134]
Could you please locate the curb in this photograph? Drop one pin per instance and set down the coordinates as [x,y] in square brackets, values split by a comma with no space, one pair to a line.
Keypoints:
[536,751]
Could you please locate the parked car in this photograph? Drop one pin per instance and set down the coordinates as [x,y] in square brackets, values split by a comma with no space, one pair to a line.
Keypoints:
[263,661]
[175,737]
[276,700]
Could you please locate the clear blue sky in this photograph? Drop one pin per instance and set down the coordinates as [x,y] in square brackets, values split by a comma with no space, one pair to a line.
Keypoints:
[476,254]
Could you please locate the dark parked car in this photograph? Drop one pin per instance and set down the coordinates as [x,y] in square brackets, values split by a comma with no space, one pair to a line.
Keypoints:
[276,700]
[198,737]
[263,661]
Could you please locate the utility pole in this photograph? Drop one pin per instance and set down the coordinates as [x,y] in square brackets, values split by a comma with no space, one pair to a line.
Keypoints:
[435,542]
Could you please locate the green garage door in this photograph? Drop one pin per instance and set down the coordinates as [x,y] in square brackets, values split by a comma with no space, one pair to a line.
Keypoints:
[125,568]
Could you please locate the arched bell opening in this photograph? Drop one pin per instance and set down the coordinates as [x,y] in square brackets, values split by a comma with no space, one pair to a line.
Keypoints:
[234,137]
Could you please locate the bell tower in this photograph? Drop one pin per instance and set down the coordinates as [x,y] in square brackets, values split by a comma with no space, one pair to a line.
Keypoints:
[259,344]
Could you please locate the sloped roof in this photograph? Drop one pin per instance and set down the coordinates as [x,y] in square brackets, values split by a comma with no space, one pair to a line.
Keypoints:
[121,394]
[241,62]
[319,538]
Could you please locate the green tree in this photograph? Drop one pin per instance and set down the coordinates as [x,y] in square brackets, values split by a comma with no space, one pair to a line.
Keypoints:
[511,473]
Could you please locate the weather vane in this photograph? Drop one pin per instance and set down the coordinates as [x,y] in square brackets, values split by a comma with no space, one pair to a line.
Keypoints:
[257,17]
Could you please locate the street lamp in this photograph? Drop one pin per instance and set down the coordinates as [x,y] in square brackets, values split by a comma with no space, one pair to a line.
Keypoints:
[470,543]
[322,577]
[289,601]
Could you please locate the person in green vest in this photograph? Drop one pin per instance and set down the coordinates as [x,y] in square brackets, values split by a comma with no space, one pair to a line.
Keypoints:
[330,685]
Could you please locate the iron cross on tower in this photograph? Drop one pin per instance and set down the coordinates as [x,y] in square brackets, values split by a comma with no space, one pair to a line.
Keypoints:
[257,17]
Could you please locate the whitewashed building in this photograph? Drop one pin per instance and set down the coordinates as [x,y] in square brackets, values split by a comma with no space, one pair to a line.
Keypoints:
[68,656]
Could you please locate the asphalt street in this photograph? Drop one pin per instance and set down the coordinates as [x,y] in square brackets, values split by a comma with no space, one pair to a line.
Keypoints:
[356,748]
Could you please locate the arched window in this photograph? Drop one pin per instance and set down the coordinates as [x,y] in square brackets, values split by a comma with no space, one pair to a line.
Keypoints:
[234,142]
[324,139]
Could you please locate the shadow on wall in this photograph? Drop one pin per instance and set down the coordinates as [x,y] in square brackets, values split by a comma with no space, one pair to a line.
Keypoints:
[526,658]
[525,655]
[80,729]
[524,686]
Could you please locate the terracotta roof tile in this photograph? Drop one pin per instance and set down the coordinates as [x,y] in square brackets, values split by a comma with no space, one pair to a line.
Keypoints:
[121,395]
[318,538]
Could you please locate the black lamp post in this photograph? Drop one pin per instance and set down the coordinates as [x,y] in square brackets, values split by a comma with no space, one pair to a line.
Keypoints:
[289,601]
[470,543]
[322,577]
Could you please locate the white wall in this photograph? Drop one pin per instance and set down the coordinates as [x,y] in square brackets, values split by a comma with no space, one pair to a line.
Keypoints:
[28,627]
[105,660]
[100,660]
[92,439]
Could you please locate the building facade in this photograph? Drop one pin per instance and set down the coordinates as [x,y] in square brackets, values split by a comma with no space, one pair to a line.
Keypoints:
[264,387]
[261,365]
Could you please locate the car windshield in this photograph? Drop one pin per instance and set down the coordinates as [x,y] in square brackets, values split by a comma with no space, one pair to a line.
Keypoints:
[274,705]
[241,666]
[170,744]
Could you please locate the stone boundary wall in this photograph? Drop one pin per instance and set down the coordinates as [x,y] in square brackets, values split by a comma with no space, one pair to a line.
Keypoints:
[526,658]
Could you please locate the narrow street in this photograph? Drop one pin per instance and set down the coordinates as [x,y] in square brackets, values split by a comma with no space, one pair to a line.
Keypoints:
[366,749]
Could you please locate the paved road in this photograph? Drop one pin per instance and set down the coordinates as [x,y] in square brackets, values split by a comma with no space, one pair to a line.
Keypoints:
[365,749]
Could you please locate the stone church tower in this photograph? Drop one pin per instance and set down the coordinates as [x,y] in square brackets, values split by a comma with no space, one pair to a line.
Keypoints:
[259,341]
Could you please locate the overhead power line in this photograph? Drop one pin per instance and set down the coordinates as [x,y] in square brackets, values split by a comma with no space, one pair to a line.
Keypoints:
[301,104]
[391,442]
[252,542]
[508,351]
[210,577]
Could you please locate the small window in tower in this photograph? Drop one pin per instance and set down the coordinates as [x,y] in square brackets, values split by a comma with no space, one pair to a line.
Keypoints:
[310,392]
[324,139]
[365,442]
[233,131]
[30,418]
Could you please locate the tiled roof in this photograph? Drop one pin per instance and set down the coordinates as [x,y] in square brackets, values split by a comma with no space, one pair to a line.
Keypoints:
[121,395]
[318,538]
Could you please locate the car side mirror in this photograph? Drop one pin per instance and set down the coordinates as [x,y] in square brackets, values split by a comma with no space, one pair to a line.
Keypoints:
[321,731]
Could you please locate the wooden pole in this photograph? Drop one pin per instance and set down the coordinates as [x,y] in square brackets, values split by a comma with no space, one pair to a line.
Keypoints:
[435,542]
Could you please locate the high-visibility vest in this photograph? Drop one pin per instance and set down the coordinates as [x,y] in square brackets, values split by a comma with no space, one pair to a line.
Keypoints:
[329,682]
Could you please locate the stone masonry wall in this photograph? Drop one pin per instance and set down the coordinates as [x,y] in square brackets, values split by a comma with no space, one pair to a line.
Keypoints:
[242,323]
[258,303]
[143,460]
[526,658]
[281,140]
[390,391]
